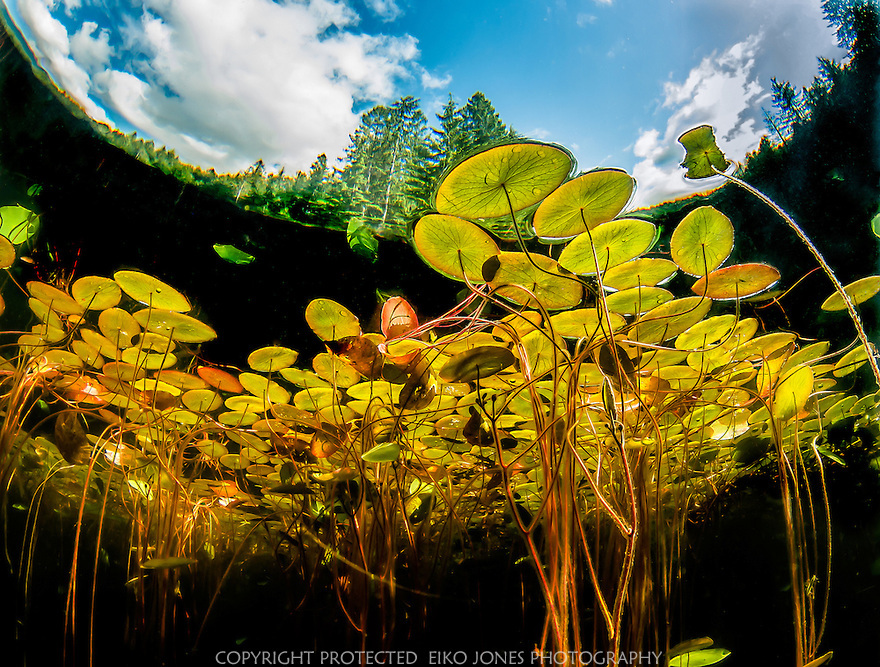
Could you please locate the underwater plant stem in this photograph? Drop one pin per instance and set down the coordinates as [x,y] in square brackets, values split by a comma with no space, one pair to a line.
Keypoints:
[850,306]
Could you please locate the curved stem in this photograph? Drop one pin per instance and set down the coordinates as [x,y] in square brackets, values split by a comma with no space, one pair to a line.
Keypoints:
[850,306]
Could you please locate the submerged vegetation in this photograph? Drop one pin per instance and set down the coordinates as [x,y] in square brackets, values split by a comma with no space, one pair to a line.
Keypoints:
[591,394]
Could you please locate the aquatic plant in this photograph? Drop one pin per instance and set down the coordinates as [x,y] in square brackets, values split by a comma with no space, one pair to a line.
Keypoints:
[571,399]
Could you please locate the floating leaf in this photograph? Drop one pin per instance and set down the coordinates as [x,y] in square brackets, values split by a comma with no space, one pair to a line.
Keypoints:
[361,239]
[7,253]
[702,156]
[56,299]
[584,323]
[614,242]
[850,362]
[271,359]
[454,247]
[96,292]
[583,203]
[792,393]
[151,291]
[220,379]
[18,224]
[737,281]
[175,325]
[646,271]
[479,362]
[397,317]
[481,185]
[859,291]
[670,319]
[637,300]
[702,241]
[330,320]
[232,254]
[546,282]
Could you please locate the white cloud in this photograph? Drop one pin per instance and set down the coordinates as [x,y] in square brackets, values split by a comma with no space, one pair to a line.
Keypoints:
[722,92]
[606,3]
[227,82]
[584,20]
[92,52]
[387,10]
[433,82]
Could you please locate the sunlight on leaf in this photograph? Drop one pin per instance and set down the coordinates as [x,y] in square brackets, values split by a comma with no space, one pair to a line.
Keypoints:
[702,153]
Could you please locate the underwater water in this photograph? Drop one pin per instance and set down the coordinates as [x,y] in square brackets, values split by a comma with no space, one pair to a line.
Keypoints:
[583,435]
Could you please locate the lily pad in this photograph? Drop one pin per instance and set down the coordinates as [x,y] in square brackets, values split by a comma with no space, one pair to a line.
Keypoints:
[583,203]
[167,563]
[670,319]
[479,362]
[648,271]
[702,156]
[151,291]
[7,253]
[859,291]
[637,300]
[220,379]
[737,281]
[452,246]
[701,658]
[702,241]
[330,320]
[18,224]
[792,393]
[56,299]
[272,358]
[549,285]
[490,183]
[96,292]
[232,254]
[584,323]
[614,242]
[382,453]
[175,325]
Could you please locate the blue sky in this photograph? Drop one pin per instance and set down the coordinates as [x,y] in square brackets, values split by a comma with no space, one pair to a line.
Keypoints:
[227,82]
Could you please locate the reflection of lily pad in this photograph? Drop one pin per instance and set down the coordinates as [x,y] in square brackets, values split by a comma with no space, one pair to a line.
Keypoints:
[454,247]
[736,282]
[703,155]
[702,241]
[615,242]
[583,203]
[859,291]
[479,186]
[553,289]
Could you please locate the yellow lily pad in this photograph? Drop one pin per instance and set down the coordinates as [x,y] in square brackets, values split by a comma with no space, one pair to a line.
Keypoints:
[859,291]
[702,241]
[96,292]
[648,271]
[330,320]
[670,319]
[477,363]
[454,247]
[151,291]
[56,299]
[702,156]
[637,300]
[583,203]
[175,325]
[584,323]
[487,184]
[608,245]
[271,359]
[791,393]
[736,282]
[7,253]
[546,282]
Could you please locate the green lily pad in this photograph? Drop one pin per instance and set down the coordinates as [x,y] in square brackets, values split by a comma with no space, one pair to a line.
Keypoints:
[272,358]
[583,203]
[701,241]
[702,156]
[454,247]
[330,320]
[670,319]
[614,242]
[584,323]
[18,224]
[637,300]
[232,254]
[490,183]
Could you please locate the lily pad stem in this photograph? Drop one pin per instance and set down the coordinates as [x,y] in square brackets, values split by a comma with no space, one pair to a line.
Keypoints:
[850,306]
